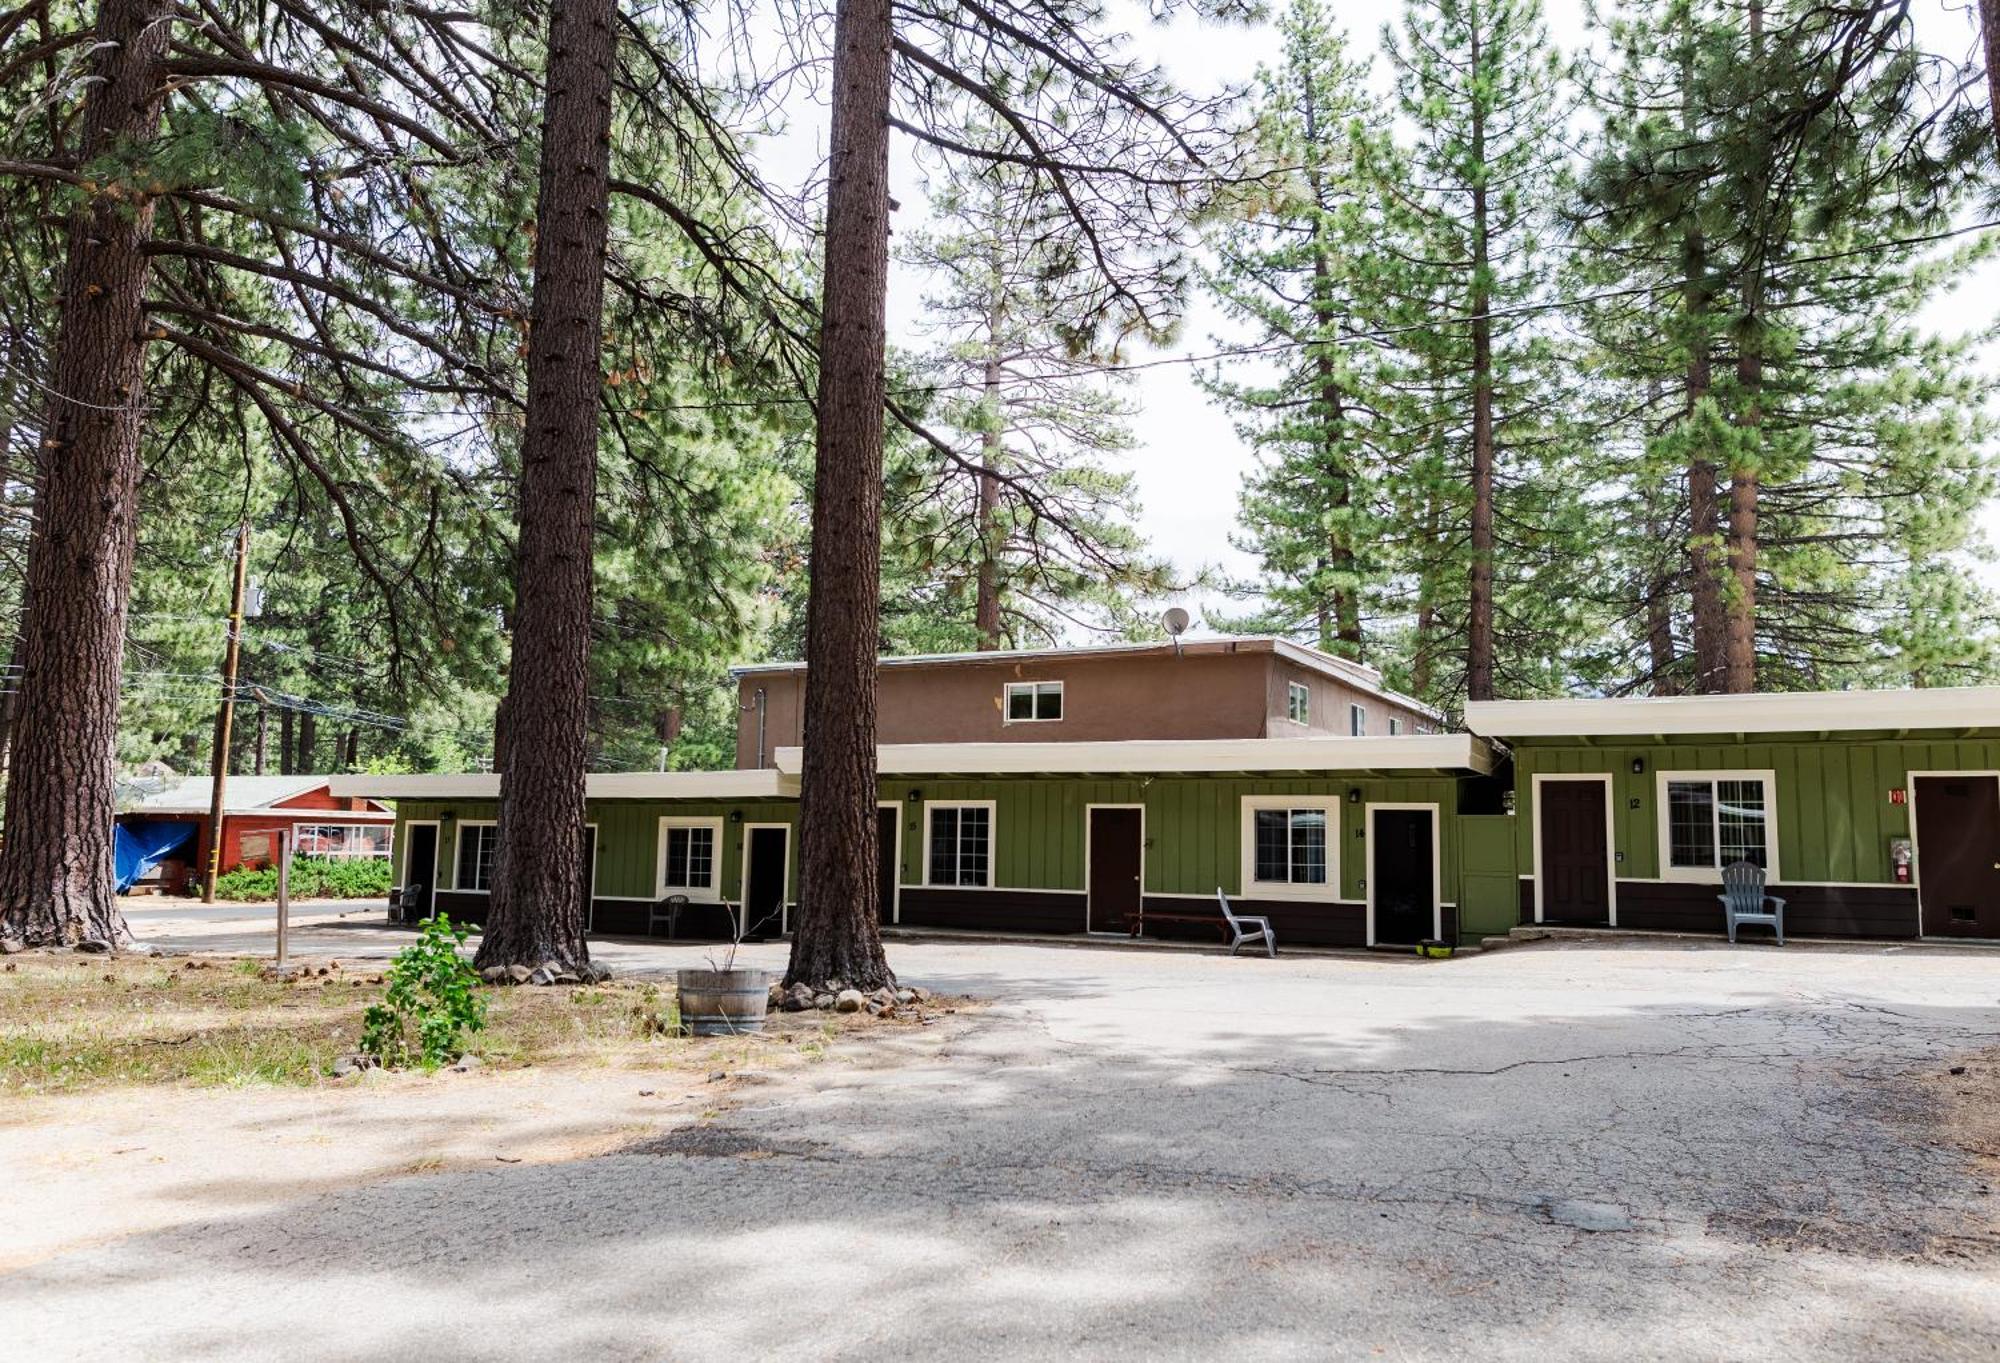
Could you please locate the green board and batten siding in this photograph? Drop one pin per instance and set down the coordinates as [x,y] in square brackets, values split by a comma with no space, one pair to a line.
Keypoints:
[1834,814]
[628,837]
[1193,831]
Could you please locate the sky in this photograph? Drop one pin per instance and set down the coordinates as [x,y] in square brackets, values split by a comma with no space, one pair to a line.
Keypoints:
[1189,461]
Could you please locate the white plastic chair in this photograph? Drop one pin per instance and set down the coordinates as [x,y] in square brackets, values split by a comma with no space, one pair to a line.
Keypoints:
[1246,929]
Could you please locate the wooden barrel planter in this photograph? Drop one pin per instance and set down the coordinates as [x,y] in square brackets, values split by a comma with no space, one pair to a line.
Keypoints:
[723,1002]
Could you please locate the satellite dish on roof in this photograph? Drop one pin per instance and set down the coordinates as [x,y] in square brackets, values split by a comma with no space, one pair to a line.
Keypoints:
[1176,620]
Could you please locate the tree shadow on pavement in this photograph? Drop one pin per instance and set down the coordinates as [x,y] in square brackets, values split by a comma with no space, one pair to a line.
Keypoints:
[1582,1179]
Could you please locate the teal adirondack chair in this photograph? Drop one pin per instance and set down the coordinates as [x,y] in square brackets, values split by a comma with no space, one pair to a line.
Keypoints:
[1744,901]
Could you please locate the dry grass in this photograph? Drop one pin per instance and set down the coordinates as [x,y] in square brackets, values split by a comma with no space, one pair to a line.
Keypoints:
[70,1023]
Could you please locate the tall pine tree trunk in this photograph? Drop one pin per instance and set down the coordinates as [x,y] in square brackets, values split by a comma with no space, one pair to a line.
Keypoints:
[1989,24]
[537,911]
[1704,515]
[1740,630]
[10,358]
[262,748]
[1479,612]
[1740,641]
[1339,618]
[837,936]
[986,609]
[1423,660]
[1656,591]
[305,754]
[288,761]
[1345,612]
[55,868]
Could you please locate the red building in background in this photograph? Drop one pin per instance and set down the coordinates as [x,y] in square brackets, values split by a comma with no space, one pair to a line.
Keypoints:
[259,808]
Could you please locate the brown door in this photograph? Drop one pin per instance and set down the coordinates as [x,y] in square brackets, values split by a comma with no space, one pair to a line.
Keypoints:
[1115,859]
[1576,862]
[888,858]
[1958,855]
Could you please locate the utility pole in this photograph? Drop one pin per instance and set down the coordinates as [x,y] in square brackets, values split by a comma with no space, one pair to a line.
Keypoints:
[219,767]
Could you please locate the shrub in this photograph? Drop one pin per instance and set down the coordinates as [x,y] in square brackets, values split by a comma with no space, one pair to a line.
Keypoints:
[312,878]
[431,989]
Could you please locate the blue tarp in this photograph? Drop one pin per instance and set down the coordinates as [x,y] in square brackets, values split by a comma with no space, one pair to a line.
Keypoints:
[139,847]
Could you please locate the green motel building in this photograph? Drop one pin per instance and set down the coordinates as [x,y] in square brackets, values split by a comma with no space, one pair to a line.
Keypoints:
[1874,814]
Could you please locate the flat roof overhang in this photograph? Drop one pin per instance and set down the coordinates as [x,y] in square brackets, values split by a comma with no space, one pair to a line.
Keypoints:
[1953,709]
[1449,754]
[603,785]
[1414,754]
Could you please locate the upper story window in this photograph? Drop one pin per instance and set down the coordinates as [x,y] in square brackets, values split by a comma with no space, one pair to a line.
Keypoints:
[1298,702]
[1357,720]
[1030,702]
[959,844]
[1395,726]
[1712,819]
[690,856]
[477,842]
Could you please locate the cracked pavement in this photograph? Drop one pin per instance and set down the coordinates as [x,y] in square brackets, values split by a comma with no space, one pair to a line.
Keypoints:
[1576,1151]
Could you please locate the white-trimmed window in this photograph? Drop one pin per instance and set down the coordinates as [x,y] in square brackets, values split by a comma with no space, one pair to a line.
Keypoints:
[342,841]
[1034,702]
[1291,846]
[691,858]
[958,843]
[1298,702]
[473,860]
[1711,819]
[1395,726]
[1357,720]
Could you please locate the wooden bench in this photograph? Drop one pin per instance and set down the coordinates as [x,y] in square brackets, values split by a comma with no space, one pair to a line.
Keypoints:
[1237,929]
[1135,923]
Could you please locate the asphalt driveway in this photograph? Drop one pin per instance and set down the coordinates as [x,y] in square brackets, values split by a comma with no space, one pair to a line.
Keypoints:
[1609,1151]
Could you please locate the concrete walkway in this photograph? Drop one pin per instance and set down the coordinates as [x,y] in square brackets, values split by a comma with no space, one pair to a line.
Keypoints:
[1610,1151]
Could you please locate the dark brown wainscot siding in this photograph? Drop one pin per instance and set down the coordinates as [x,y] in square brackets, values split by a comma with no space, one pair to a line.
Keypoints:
[1810,910]
[628,918]
[463,908]
[992,910]
[1296,924]
[1527,900]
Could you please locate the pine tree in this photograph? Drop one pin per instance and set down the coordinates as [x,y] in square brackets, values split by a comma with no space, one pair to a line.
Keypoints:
[1030,515]
[1484,90]
[1102,133]
[1306,259]
[1769,192]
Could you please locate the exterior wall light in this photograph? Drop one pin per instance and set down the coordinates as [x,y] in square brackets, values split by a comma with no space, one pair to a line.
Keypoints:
[914,796]
[1638,766]
[1354,795]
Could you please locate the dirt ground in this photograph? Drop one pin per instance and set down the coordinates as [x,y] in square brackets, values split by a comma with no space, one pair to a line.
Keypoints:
[138,1093]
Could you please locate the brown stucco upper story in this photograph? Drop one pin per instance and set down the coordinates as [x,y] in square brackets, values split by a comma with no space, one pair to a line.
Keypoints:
[1208,688]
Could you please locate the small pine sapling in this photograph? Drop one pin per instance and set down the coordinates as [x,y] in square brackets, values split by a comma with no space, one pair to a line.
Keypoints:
[433,989]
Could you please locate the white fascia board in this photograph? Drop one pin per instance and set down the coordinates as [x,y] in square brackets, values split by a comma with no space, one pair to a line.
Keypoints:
[750,784]
[1404,752]
[1953,707]
[469,785]
[609,785]
[1358,675]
